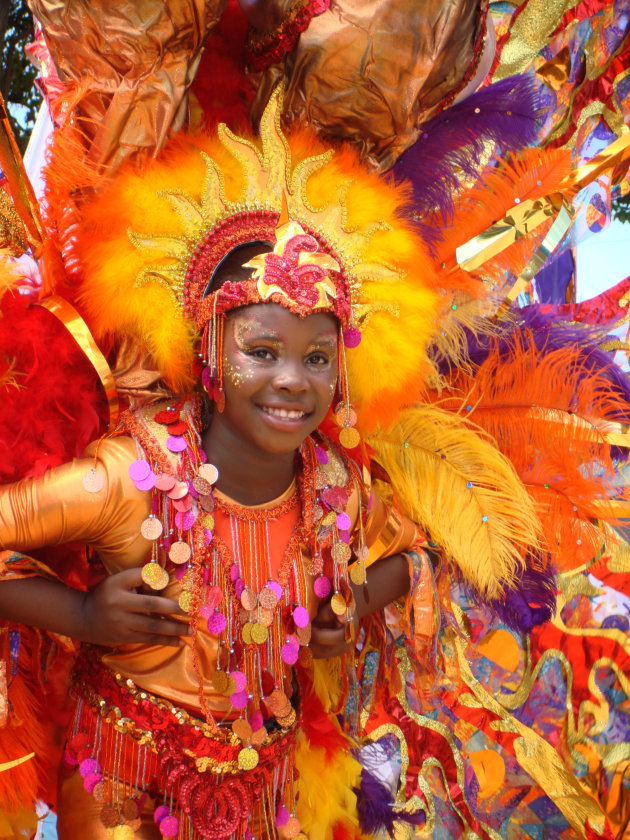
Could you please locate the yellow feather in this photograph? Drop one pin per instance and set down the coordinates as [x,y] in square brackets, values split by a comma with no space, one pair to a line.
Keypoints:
[448,476]
[325,790]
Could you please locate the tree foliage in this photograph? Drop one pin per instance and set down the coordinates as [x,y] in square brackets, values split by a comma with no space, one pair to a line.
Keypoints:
[17,74]
[621,208]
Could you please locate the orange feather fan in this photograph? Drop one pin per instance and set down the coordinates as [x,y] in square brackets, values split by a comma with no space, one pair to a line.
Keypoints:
[547,413]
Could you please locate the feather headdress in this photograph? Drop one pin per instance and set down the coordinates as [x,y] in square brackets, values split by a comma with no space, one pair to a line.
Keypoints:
[150,242]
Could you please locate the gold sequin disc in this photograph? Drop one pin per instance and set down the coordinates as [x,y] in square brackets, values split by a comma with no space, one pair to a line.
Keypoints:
[179,552]
[246,633]
[330,518]
[287,721]
[349,438]
[259,633]
[259,737]
[338,604]
[154,576]
[357,574]
[304,634]
[185,600]
[219,681]
[203,487]
[247,758]
[151,528]
[208,521]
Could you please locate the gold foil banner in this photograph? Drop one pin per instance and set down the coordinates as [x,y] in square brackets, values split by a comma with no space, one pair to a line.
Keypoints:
[526,216]
[78,329]
[18,184]
[9,765]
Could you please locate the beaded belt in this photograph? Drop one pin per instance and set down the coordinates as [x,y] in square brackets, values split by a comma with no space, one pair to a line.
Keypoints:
[201,769]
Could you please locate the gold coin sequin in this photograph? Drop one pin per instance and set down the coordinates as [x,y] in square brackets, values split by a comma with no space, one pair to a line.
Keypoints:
[151,528]
[287,721]
[209,472]
[330,518]
[101,792]
[208,521]
[357,574]
[266,616]
[247,758]
[340,552]
[349,438]
[154,576]
[338,604]
[185,601]
[219,681]
[259,633]
[242,729]
[179,552]
[230,686]
[249,599]
[246,633]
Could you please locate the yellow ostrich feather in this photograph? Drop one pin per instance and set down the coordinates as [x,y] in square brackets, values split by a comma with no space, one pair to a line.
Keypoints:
[325,790]
[452,480]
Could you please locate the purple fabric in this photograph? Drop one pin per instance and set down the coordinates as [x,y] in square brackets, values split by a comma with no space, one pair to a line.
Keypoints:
[454,141]
[553,280]
[533,603]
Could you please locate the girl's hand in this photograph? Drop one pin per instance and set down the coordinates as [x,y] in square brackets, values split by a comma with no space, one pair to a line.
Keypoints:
[115,614]
[331,635]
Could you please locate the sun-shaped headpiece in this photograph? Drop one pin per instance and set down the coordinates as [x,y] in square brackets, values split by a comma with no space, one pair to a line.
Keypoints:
[152,241]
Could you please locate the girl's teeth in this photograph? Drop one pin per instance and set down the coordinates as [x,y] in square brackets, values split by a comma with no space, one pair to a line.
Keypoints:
[281,412]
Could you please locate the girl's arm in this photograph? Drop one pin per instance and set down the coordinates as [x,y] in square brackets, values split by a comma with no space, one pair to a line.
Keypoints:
[387,580]
[110,615]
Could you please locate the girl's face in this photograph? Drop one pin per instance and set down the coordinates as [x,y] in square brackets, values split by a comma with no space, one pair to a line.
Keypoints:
[280,373]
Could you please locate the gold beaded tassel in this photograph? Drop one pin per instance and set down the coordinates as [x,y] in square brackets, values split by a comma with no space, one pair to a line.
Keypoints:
[345,415]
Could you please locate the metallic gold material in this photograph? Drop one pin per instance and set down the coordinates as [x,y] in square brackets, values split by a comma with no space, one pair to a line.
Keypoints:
[78,329]
[130,64]
[9,765]
[18,184]
[334,82]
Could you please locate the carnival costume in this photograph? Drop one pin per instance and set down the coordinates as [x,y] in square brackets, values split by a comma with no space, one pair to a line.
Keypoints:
[478,441]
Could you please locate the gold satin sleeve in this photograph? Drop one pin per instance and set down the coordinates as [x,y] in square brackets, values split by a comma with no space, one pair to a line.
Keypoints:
[56,509]
[371,72]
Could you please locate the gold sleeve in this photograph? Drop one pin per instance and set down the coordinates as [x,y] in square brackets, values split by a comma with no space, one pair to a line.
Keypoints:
[56,508]
[387,530]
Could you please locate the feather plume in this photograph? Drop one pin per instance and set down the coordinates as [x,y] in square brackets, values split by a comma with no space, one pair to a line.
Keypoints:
[325,790]
[547,400]
[376,808]
[454,146]
[454,482]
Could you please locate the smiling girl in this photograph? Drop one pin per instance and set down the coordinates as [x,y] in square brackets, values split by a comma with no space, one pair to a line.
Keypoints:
[271,651]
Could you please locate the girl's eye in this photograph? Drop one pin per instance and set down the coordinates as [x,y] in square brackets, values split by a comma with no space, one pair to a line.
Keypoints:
[262,353]
[318,359]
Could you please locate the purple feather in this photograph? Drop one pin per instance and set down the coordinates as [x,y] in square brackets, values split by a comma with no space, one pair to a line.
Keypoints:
[533,603]
[375,805]
[454,141]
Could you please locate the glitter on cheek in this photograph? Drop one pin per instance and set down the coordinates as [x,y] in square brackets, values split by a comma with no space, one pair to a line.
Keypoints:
[233,373]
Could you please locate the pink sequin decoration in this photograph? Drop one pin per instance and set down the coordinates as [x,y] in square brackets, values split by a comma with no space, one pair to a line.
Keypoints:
[185,521]
[214,596]
[322,587]
[256,720]
[352,337]
[217,623]
[239,680]
[343,522]
[273,584]
[175,443]
[239,699]
[289,654]
[169,826]
[147,483]
[139,470]
[282,816]
[301,617]
[160,813]
[165,482]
